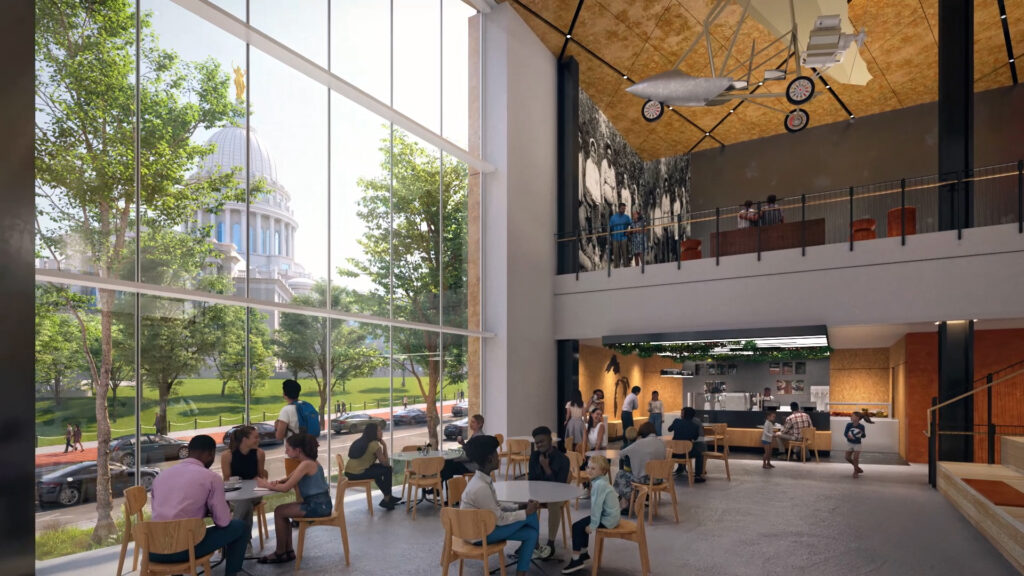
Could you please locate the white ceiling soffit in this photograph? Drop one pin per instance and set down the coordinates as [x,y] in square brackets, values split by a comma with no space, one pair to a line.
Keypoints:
[484,6]
[227,22]
[775,16]
[885,335]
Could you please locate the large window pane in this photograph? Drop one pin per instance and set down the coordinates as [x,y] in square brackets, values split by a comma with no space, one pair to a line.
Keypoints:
[456,61]
[299,24]
[416,380]
[361,45]
[455,237]
[417,62]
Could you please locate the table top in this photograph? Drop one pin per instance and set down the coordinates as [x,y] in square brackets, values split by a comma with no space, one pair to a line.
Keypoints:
[609,454]
[529,439]
[248,491]
[543,492]
[447,455]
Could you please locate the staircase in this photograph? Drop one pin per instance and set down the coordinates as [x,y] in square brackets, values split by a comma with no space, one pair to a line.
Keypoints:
[1002,525]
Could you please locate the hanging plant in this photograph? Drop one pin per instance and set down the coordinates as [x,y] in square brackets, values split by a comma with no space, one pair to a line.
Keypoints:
[747,351]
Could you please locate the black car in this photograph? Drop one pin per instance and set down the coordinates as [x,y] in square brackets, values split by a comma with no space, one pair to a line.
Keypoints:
[155,448]
[77,483]
[456,429]
[461,408]
[355,422]
[267,432]
[410,416]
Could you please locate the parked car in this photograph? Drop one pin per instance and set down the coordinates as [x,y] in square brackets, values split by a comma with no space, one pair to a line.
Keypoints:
[155,448]
[456,429]
[355,422]
[267,432]
[461,408]
[410,416]
[77,483]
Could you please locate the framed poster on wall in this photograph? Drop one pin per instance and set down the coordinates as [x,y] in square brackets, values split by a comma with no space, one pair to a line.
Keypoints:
[774,368]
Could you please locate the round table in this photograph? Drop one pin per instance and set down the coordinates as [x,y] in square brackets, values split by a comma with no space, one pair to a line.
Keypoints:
[539,490]
[447,455]
[248,491]
[530,438]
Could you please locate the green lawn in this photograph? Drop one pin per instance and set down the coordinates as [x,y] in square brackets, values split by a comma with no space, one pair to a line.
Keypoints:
[197,403]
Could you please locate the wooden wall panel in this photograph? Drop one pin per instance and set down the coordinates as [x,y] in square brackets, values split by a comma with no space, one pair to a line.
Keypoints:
[859,375]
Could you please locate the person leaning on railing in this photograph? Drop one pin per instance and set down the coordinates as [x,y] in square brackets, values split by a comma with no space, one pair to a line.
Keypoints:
[771,213]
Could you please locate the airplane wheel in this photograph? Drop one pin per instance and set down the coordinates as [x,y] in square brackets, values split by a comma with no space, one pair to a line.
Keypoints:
[653,110]
[800,90]
[797,120]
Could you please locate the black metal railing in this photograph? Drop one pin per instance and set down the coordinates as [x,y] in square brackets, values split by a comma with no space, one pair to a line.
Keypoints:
[905,207]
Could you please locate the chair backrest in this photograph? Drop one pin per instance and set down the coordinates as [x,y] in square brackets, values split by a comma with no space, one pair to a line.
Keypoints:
[411,448]
[678,447]
[569,444]
[659,470]
[501,440]
[721,428]
[171,536]
[575,462]
[426,467]
[456,486]
[134,500]
[470,525]
[808,433]
[519,447]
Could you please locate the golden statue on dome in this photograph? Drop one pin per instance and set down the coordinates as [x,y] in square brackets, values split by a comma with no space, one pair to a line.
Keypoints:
[239,83]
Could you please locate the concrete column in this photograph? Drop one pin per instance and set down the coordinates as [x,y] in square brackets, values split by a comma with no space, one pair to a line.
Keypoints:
[213,226]
[227,225]
[275,227]
[259,235]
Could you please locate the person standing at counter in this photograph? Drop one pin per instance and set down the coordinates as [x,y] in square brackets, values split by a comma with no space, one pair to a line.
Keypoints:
[854,435]
[629,405]
[792,430]
[656,411]
[767,434]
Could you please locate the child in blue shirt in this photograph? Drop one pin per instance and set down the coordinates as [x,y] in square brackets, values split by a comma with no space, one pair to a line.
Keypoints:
[604,508]
[854,435]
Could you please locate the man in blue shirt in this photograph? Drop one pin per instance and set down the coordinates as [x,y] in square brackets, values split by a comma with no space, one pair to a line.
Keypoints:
[619,223]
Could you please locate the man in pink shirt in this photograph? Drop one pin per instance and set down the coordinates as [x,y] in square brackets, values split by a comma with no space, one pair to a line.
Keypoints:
[191,490]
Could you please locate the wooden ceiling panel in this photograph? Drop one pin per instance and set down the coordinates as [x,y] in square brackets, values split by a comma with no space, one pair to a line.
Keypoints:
[884,19]
[910,65]
[1015,18]
[641,16]
[707,144]
[989,45]
[994,79]
[558,12]
[874,97]
[623,111]
[550,37]
[600,82]
[672,128]
[674,34]
[920,89]
[648,63]
[824,109]
[931,14]
[758,121]
[599,30]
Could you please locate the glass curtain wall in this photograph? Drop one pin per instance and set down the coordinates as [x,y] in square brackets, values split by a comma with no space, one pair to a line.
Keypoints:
[266,228]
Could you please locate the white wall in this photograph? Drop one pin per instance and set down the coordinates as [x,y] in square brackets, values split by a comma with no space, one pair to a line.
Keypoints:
[519,137]
[934,277]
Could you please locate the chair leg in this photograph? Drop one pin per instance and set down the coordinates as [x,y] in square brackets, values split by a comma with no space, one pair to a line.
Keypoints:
[727,474]
[598,550]
[816,459]
[369,499]
[299,545]
[566,522]
[689,471]
[675,503]
[415,494]
[124,551]
[632,503]
[344,540]
[645,559]
[501,562]
[804,456]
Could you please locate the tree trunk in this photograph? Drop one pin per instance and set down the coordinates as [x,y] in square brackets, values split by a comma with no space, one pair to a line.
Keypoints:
[165,394]
[113,403]
[223,387]
[105,527]
[57,385]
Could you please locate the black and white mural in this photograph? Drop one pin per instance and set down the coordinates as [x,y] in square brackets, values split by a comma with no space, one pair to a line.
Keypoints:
[611,172]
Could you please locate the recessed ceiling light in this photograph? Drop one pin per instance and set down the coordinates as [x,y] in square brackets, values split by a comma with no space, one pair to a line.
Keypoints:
[625,77]
[827,87]
[731,111]
[568,35]
[851,116]
[671,108]
[760,83]
[1002,16]
[1012,60]
[707,133]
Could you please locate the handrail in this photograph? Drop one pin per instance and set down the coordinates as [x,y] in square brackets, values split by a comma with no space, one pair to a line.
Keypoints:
[928,413]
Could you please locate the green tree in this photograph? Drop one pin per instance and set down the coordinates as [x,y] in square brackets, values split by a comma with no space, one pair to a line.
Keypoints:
[407,261]
[228,353]
[85,95]
[300,342]
[59,359]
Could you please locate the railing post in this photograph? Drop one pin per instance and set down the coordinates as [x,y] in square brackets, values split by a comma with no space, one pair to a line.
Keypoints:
[851,218]
[220,420]
[933,439]
[718,235]
[679,241]
[803,224]
[759,226]
[991,426]
[264,416]
[608,244]
[903,209]
[643,244]
[195,423]
[1020,196]
[579,246]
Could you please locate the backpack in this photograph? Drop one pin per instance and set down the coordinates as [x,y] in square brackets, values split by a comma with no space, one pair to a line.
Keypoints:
[309,419]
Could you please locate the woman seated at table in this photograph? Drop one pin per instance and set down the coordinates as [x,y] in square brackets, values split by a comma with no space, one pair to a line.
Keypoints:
[243,459]
[368,458]
[316,496]
[597,439]
[462,465]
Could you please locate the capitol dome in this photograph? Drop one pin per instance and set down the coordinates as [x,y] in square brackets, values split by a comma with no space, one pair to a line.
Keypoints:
[230,151]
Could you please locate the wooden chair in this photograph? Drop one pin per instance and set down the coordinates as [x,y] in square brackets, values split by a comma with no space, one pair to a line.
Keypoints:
[456,486]
[422,473]
[290,464]
[461,527]
[259,511]
[715,433]
[659,479]
[502,453]
[411,448]
[366,484]
[169,538]
[336,520]
[626,530]
[134,500]
[681,447]
[518,455]
[576,476]
[806,441]
[723,455]
[570,444]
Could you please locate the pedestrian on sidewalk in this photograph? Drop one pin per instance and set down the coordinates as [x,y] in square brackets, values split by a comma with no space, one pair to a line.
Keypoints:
[77,434]
[68,436]
[405,403]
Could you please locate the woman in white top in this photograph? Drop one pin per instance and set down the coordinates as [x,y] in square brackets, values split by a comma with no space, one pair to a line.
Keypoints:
[597,438]
[575,427]
[656,411]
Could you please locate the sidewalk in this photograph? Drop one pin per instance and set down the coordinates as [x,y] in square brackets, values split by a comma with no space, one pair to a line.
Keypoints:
[52,456]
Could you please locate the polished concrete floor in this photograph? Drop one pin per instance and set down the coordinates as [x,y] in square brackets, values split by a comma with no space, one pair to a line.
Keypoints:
[796,519]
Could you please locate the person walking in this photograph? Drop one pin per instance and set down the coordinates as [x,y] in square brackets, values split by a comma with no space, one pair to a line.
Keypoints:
[69,435]
[854,434]
[575,427]
[77,437]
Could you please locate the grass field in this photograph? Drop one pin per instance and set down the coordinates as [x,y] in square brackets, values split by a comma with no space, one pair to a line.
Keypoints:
[197,403]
